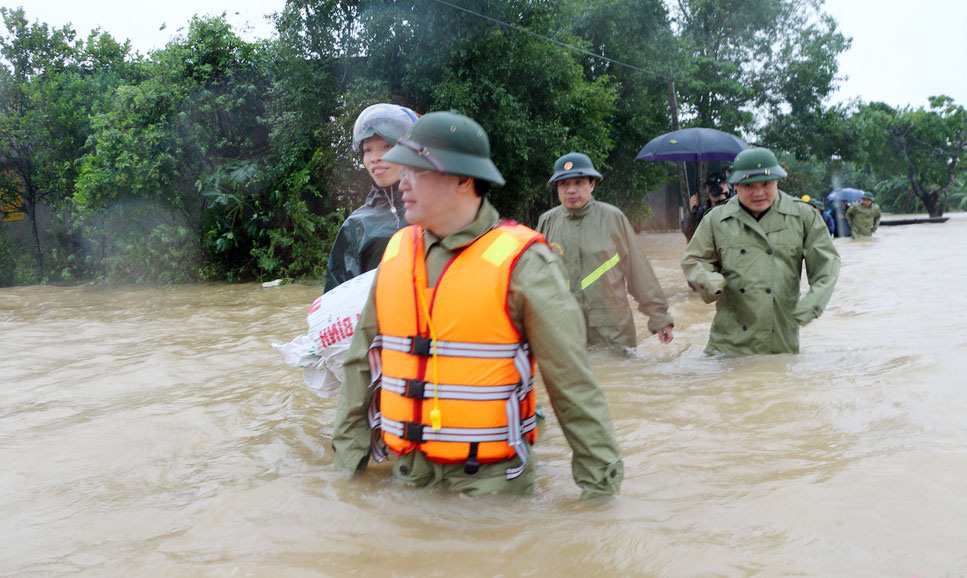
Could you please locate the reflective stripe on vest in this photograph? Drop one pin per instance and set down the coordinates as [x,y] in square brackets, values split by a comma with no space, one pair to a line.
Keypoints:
[453,434]
[486,377]
[597,273]
[452,348]
[422,390]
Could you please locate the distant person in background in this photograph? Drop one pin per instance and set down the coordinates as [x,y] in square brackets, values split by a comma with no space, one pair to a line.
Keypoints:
[830,220]
[863,217]
[830,224]
[603,259]
[363,236]
[718,190]
[747,256]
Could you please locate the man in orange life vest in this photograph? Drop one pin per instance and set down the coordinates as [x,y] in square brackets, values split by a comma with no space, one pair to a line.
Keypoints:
[441,367]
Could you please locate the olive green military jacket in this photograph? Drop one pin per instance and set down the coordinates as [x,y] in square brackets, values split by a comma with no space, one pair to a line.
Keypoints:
[751,270]
[544,311]
[604,263]
[863,221]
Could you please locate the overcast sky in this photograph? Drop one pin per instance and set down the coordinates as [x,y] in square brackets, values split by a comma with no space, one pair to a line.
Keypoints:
[902,51]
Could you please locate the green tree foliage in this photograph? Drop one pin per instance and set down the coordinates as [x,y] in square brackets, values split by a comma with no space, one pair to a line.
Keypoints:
[923,147]
[196,104]
[807,176]
[746,58]
[194,108]
[636,34]
[224,159]
[530,95]
[801,76]
[51,85]
[308,75]
[16,266]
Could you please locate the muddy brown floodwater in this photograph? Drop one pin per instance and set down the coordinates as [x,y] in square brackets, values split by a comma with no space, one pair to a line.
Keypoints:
[155,432]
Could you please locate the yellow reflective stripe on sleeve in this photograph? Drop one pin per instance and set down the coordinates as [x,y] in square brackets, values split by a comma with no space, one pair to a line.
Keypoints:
[597,273]
[503,246]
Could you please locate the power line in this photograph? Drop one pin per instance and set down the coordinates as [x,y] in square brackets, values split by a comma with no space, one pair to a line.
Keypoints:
[534,34]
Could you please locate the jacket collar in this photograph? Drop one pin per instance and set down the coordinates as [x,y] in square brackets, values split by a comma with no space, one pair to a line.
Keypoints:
[579,213]
[382,195]
[771,222]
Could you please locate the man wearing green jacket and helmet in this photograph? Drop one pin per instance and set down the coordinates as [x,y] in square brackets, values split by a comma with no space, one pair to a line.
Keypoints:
[441,365]
[747,257]
[863,217]
[602,257]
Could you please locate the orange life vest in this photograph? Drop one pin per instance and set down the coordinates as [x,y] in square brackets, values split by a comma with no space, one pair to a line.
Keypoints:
[481,378]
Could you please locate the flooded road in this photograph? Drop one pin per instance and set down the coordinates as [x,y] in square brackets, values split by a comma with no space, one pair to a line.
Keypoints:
[155,432]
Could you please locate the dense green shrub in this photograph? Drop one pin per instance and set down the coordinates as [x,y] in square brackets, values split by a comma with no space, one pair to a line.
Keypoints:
[17,266]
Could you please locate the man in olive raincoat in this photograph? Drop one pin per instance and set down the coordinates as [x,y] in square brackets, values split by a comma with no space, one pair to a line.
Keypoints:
[602,258]
[747,256]
[863,218]
[446,173]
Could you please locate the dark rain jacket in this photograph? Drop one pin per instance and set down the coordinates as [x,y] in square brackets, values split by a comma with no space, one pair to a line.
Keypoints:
[604,263]
[751,270]
[362,238]
[830,223]
[693,218]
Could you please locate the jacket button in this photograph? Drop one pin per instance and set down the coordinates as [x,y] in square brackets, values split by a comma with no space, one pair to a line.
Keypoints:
[745,328]
[742,252]
[613,474]
[768,290]
[769,252]
[742,290]
[403,470]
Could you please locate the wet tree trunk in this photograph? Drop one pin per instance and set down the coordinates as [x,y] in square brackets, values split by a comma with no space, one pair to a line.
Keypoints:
[29,201]
[934,203]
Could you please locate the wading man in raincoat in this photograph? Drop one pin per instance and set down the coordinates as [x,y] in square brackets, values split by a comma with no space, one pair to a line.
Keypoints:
[863,217]
[440,370]
[747,257]
[602,258]
[362,237]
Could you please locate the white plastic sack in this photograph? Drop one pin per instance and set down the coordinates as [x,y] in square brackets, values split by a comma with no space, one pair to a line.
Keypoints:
[321,379]
[332,321]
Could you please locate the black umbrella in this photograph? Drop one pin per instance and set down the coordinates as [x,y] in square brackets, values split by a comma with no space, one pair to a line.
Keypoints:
[693,145]
[845,194]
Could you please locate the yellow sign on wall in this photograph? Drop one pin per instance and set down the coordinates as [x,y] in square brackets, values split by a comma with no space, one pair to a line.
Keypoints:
[11,212]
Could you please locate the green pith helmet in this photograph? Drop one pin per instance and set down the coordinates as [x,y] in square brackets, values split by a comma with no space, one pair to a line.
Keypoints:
[868,196]
[816,203]
[447,142]
[755,165]
[573,165]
